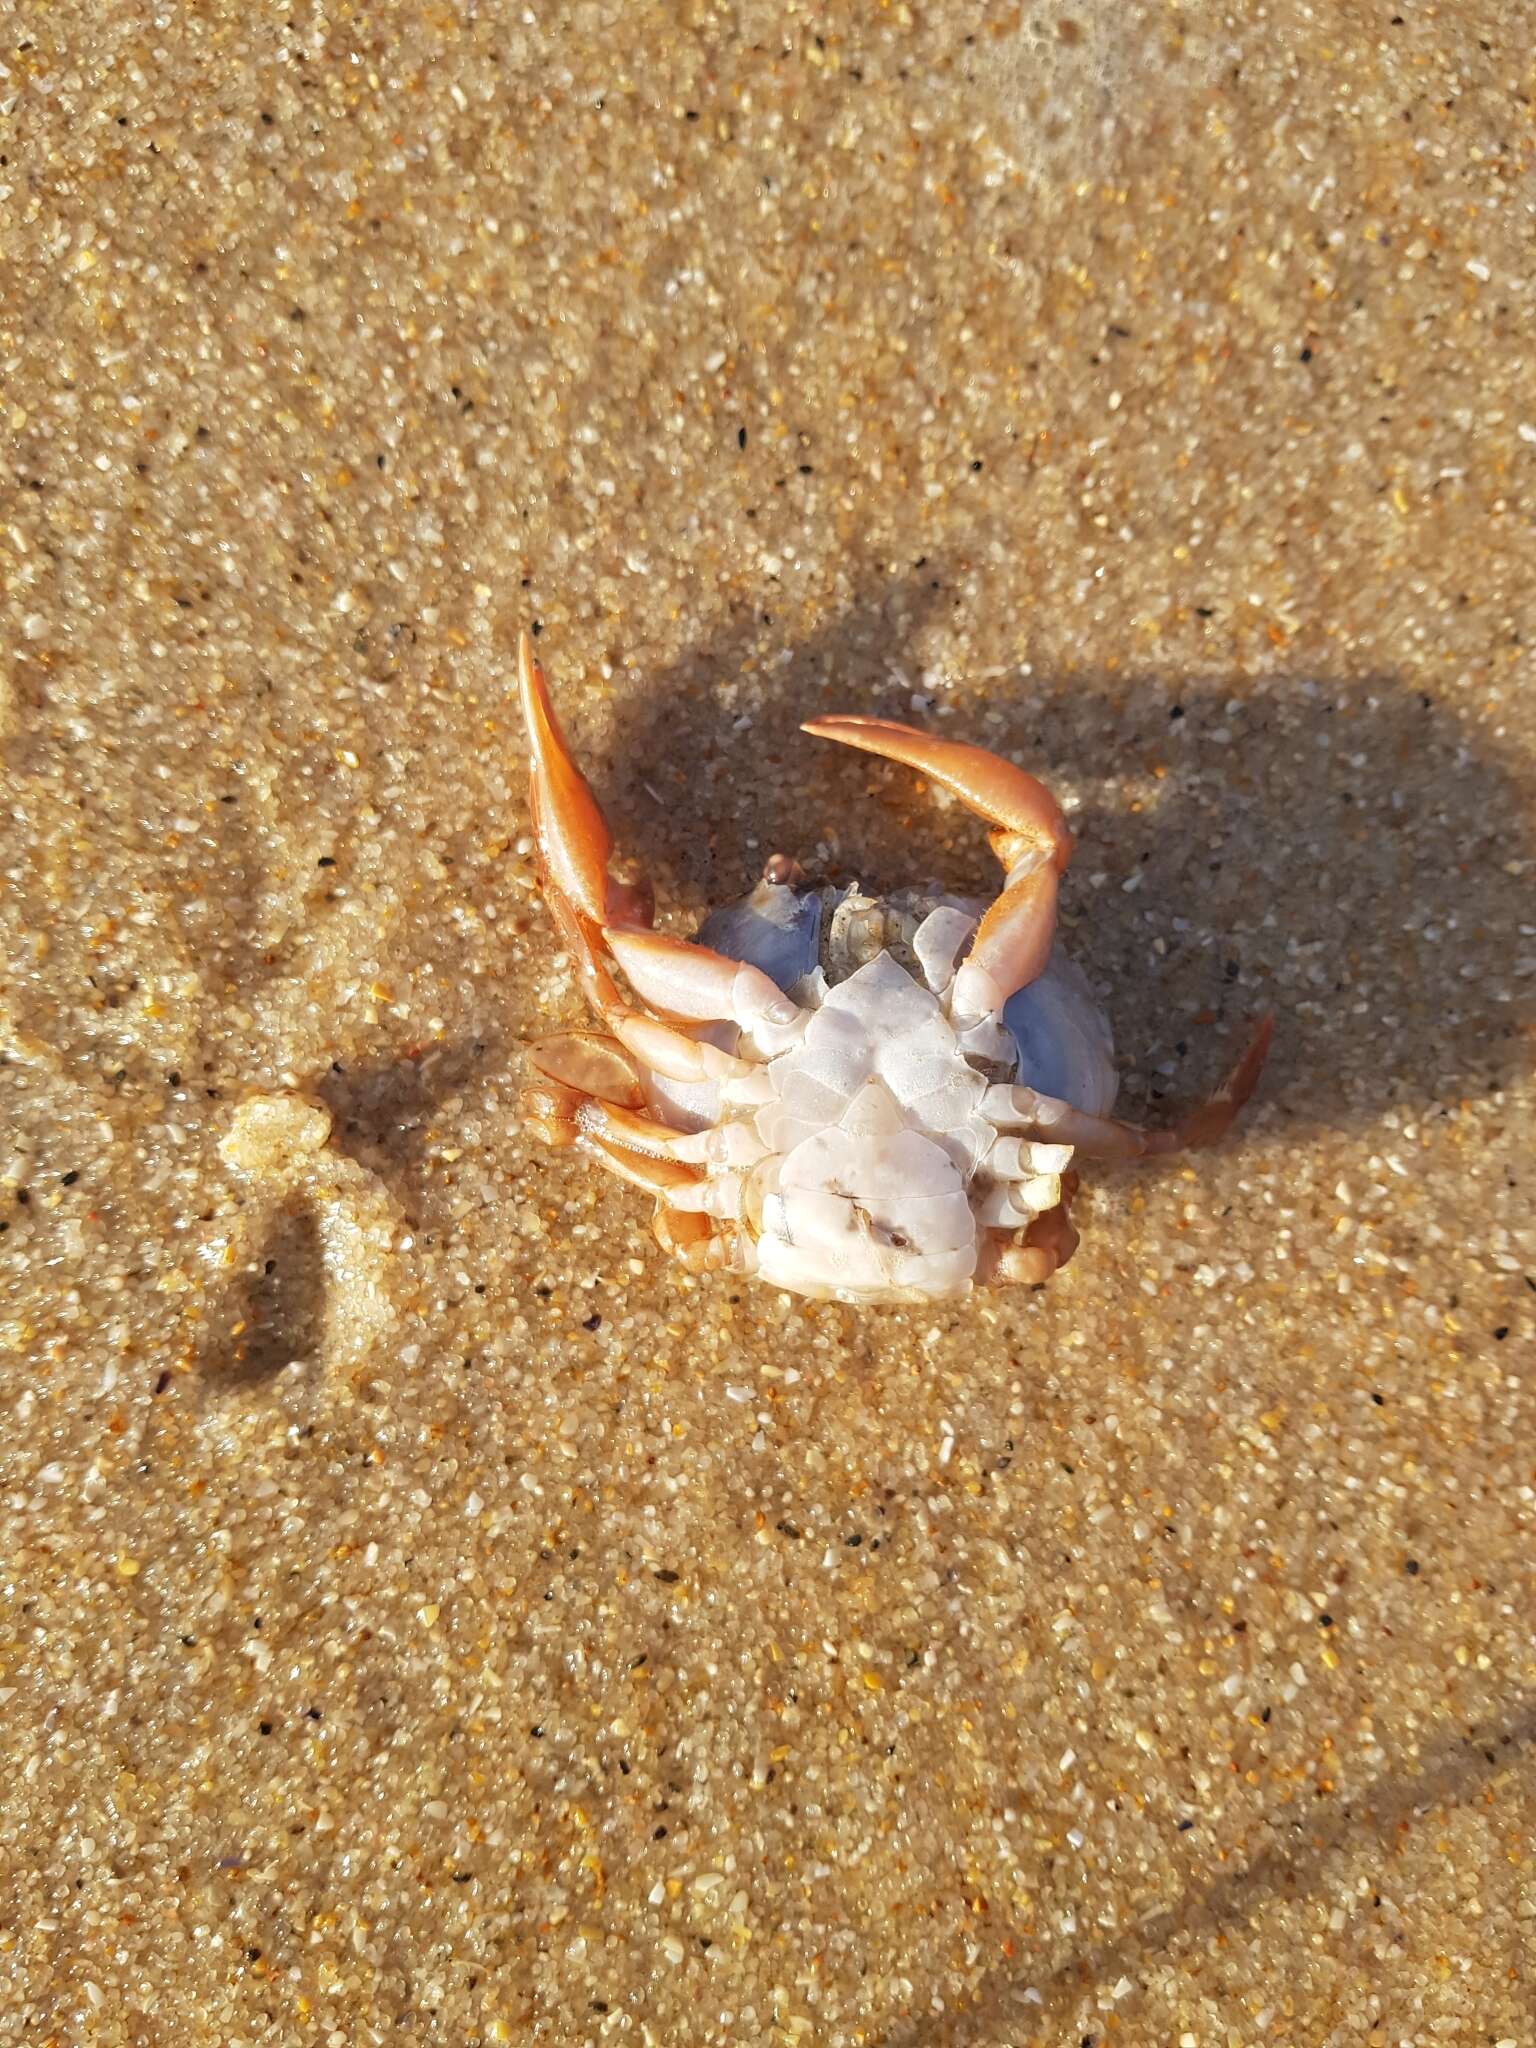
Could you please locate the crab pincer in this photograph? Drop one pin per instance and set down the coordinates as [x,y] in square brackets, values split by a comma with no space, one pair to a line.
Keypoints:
[1029,836]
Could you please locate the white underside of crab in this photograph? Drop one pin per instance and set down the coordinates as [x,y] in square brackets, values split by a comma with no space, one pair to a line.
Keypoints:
[870,1158]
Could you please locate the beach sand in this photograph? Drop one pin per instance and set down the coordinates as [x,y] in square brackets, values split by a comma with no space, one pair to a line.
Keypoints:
[430,1615]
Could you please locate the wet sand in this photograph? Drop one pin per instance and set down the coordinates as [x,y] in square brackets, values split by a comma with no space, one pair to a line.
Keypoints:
[430,1615]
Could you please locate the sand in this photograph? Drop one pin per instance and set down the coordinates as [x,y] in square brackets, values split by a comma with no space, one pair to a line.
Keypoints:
[429,1615]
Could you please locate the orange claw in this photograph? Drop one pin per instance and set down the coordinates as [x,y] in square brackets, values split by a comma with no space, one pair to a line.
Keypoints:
[1022,807]
[573,836]
[1013,941]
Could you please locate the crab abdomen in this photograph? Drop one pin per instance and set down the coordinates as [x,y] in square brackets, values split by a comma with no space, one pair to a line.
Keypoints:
[877,1214]
[874,1136]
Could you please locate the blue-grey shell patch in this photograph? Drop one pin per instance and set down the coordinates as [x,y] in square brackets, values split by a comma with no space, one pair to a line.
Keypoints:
[777,928]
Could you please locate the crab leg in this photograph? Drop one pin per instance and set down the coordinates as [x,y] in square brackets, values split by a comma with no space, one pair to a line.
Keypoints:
[563,1118]
[688,1204]
[575,844]
[1058,1123]
[1013,941]
[583,897]
[671,1165]
[664,1048]
[702,1245]
[588,1090]
[1208,1124]
[1103,1137]
[730,1144]
[692,982]
[673,1054]
[1046,1246]
[590,1063]
[659,1177]
[1055,1231]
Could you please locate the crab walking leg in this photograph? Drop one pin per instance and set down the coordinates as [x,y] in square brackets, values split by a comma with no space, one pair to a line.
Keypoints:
[733,1145]
[692,982]
[1045,1247]
[1209,1123]
[684,1221]
[672,1053]
[1013,941]
[702,1245]
[1103,1137]
[659,1177]
[590,1063]
[664,1048]
[581,939]
[552,1109]
[722,1195]
[559,1114]
[1055,1231]
[1023,1265]
[556,1103]
[1058,1123]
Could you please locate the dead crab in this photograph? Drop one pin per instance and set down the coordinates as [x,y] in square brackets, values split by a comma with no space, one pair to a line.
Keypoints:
[868,1099]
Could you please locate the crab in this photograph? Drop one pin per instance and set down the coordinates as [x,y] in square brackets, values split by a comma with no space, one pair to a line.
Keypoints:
[859,1098]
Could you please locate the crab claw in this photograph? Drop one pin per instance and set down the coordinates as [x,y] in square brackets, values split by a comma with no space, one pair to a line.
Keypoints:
[1030,838]
[601,919]
[575,844]
[574,840]
[1022,807]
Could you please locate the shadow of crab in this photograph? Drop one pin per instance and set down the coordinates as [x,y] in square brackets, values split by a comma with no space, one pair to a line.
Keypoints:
[1345,852]
[388,1112]
[705,771]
